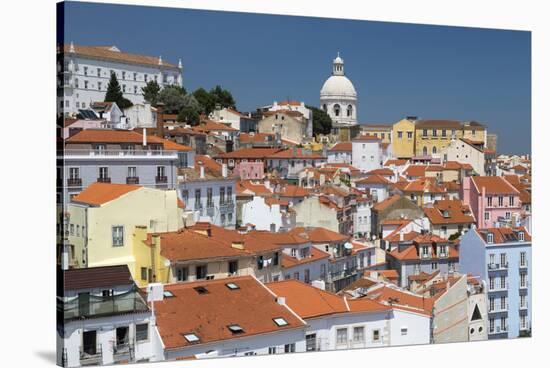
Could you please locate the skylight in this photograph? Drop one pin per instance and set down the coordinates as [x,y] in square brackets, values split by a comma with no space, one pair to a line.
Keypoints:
[232,286]
[168,294]
[191,337]
[236,329]
[201,290]
[279,321]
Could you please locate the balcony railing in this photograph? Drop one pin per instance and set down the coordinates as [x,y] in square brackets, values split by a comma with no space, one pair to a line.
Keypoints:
[498,330]
[497,266]
[104,180]
[523,306]
[523,264]
[118,153]
[524,285]
[161,179]
[90,355]
[498,288]
[97,306]
[74,182]
[132,180]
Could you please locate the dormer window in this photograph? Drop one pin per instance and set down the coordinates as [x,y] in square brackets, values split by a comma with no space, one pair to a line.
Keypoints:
[489,238]
[521,236]
[235,329]
[280,321]
[425,251]
[191,337]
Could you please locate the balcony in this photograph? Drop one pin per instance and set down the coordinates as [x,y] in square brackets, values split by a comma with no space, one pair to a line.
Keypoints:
[96,306]
[498,330]
[132,180]
[523,306]
[524,285]
[74,182]
[118,154]
[498,288]
[122,351]
[161,179]
[104,180]
[90,355]
[497,266]
[523,264]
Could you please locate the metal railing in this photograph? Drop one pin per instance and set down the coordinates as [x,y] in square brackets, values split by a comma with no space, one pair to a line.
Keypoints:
[132,180]
[90,355]
[118,153]
[497,266]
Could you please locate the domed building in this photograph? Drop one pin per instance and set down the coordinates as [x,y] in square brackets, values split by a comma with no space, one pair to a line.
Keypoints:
[339,101]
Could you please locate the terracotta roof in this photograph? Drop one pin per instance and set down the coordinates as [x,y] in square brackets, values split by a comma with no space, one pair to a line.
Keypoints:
[293,191]
[341,146]
[396,162]
[289,102]
[449,211]
[96,277]
[97,194]
[123,136]
[494,185]
[311,302]
[415,170]
[395,236]
[260,138]
[250,153]
[319,235]
[207,315]
[104,52]
[366,137]
[401,298]
[295,153]
[504,234]
[423,276]
[257,189]
[447,124]
[425,185]
[389,274]
[374,179]
[386,202]
[286,238]
[383,172]
[291,113]
[210,125]
[314,255]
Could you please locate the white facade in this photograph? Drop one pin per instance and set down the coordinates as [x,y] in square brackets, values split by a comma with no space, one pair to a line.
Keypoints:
[140,116]
[338,96]
[366,154]
[262,215]
[362,219]
[83,79]
[339,157]
[460,151]
[301,108]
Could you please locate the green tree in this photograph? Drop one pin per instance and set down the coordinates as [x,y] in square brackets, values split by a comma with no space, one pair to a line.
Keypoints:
[114,93]
[151,92]
[190,110]
[322,123]
[173,99]
[206,100]
[223,97]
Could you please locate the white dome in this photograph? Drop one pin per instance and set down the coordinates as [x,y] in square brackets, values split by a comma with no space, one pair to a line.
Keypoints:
[338,85]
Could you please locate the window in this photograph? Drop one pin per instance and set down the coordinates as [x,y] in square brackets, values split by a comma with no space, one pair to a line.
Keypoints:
[135,76]
[486,216]
[434,132]
[124,88]
[85,70]
[409,135]
[491,304]
[132,172]
[425,132]
[503,282]
[341,336]
[191,337]
[72,229]
[74,173]
[161,171]
[425,151]
[507,215]
[404,331]
[434,150]
[522,280]
[491,283]
[272,350]
[209,201]
[123,75]
[503,304]
[349,110]
[167,294]
[489,201]
[290,348]
[235,329]
[103,173]
[443,133]
[311,342]
[197,198]
[306,276]
[182,273]
[500,201]
[135,89]
[376,335]
[400,135]
[118,236]
[522,258]
[503,261]
[222,196]
[229,195]
[276,258]
[145,78]
[336,110]
[144,273]
[201,272]
[359,334]
[222,218]
[279,321]
[521,236]
[297,275]
[511,200]
[85,87]
[142,332]
[522,301]
[233,267]
[434,265]
[99,86]
[491,325]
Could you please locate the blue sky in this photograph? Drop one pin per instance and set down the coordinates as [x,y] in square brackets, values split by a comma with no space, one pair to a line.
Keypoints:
[398,69]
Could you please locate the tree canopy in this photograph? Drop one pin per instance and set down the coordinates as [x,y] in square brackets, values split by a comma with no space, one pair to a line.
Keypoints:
[173,99]
[322,123]
[222,97]
[206,100]
[190,110]
[151,92]
[114,94]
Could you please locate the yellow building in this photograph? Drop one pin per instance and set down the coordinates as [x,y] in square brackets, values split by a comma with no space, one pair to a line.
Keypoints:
[203,252]
[382,131]
[434,135]
[403,138]
[103,218]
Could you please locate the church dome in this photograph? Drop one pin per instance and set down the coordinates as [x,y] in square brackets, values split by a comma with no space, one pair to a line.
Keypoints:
[338,85]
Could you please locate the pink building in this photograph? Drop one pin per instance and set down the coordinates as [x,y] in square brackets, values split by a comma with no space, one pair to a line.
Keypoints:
[493,200]
[249,170]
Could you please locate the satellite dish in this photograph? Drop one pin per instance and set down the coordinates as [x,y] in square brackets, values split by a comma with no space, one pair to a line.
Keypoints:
[348,245]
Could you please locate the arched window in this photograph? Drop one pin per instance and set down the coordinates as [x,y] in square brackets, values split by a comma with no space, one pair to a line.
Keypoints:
[325,107]
[425,151]
[336,110]
[350,110]
[434,150]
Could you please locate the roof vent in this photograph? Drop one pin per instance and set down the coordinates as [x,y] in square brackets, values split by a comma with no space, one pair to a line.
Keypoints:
[201,290]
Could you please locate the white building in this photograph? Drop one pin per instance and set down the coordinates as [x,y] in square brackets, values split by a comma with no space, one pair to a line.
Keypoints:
[466,153]
[269,214]
[294,106]
[84,72]
[338,96]
[336,322]
[103,319]
[366,153]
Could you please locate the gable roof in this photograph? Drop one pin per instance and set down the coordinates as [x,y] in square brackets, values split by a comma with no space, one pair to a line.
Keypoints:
[97,194]
[449,211]
[493,185]
[341,146]
[250,153]
[96,277]
[252,306]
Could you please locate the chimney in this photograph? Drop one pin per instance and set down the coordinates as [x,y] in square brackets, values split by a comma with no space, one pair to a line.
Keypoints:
[201,168]
[144,137]
[224,170]
[401,236]
[160,119]
[281,300]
